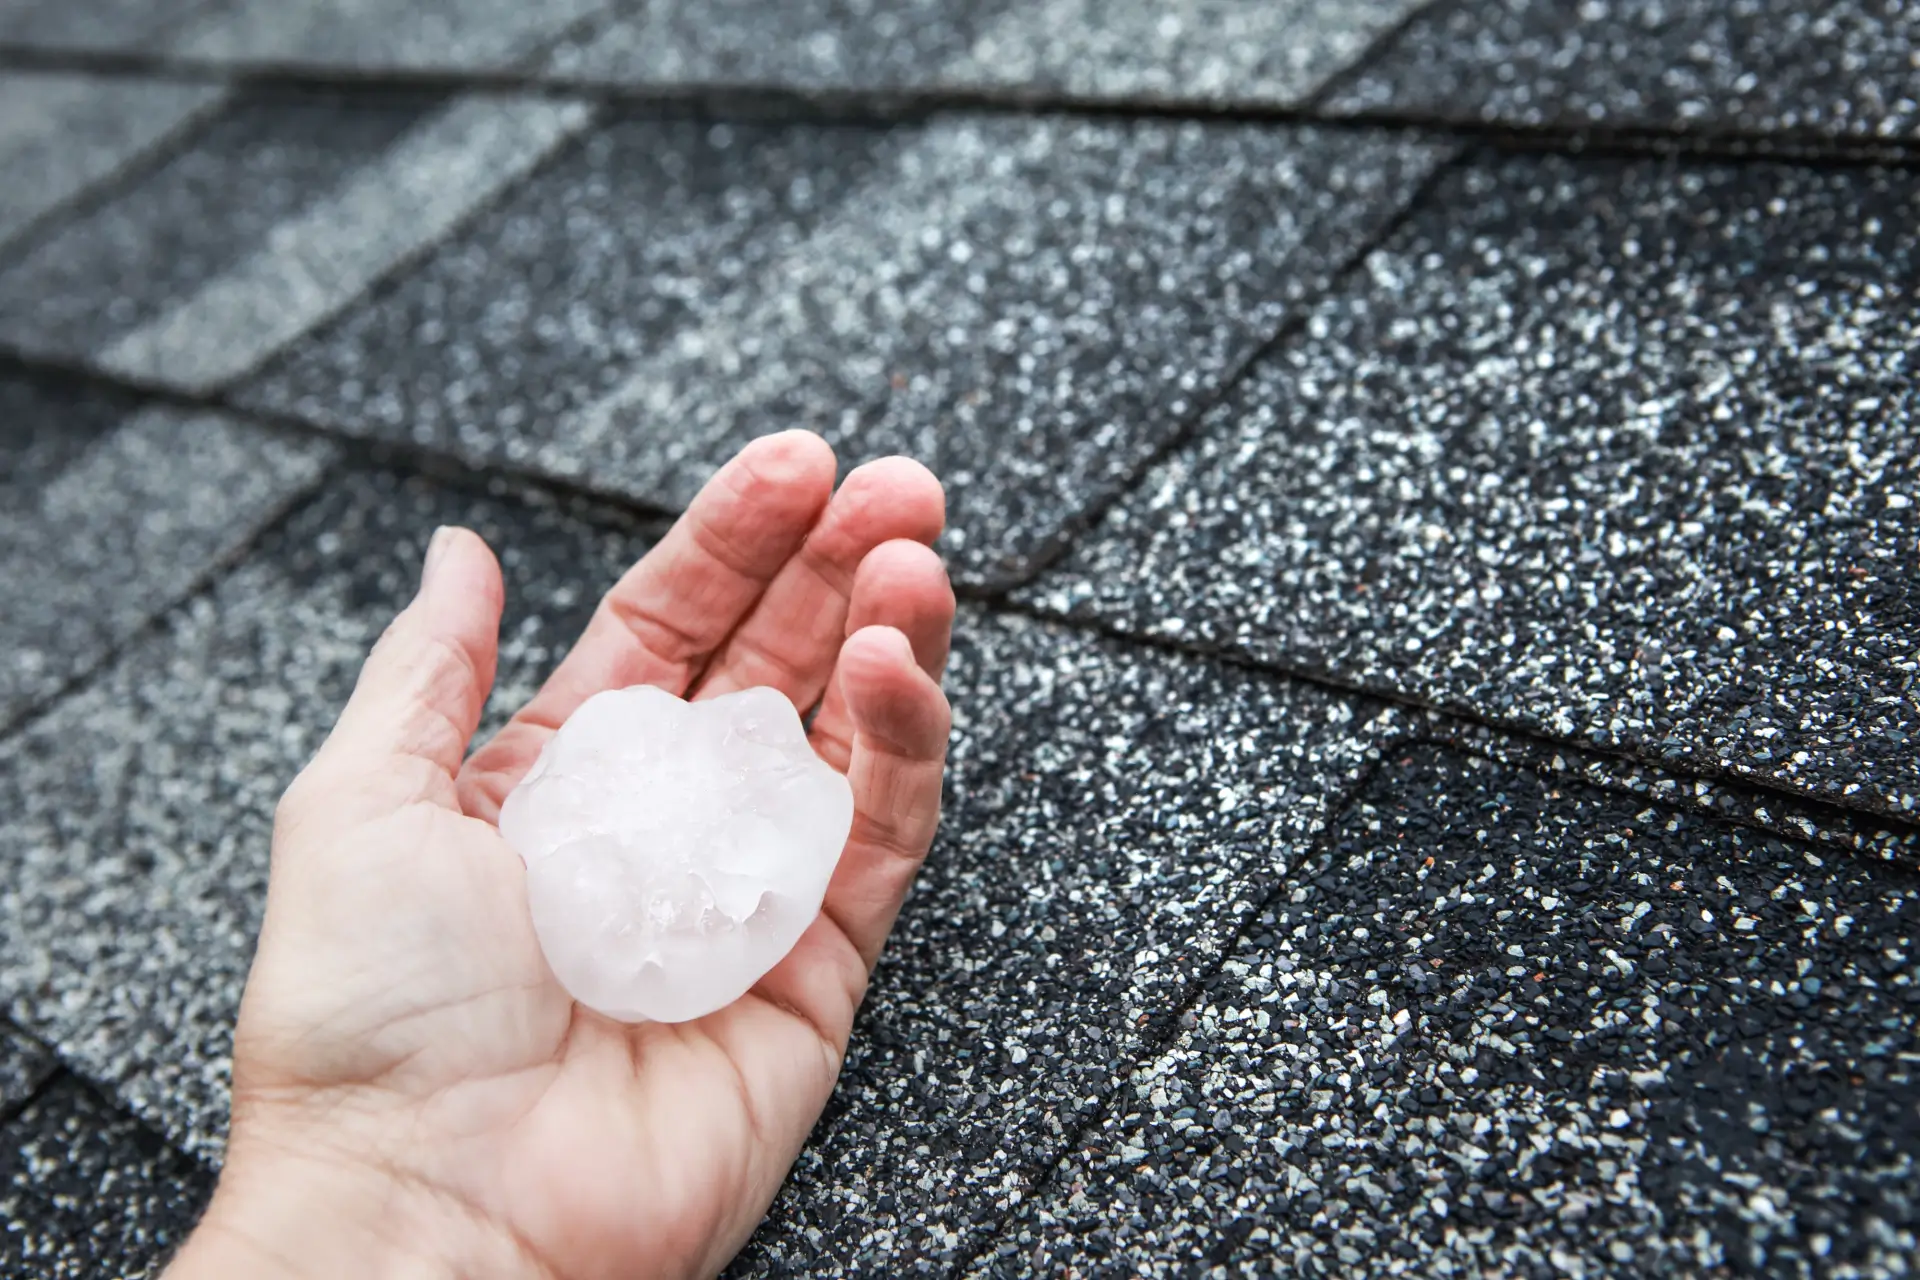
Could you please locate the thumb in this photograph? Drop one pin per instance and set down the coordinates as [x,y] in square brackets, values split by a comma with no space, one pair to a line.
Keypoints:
[420,694]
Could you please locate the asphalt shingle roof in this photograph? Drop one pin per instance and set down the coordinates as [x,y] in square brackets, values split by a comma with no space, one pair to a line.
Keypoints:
[1434,765]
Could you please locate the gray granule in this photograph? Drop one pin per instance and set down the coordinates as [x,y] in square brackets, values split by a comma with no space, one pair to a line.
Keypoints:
[1617,451]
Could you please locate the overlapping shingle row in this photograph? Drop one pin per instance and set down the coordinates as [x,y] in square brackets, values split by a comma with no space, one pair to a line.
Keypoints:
[1433,772]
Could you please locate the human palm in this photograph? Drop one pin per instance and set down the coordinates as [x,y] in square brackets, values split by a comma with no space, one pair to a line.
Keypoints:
[413,1091]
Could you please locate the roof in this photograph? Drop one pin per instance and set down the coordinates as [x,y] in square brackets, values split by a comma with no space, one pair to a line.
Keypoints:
[1433,486]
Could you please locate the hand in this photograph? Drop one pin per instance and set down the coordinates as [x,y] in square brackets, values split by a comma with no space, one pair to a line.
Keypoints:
[413,1093]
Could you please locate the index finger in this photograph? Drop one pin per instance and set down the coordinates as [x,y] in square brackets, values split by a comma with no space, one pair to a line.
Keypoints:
[668,614]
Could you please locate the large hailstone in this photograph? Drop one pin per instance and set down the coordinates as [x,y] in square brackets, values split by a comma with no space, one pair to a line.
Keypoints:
[675,850]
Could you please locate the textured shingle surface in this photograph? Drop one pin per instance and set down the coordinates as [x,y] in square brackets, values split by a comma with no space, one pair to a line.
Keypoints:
[25,1065]
[62,133]
[364,35]
[136,816]
[1618,451]
[805,44]
[1502,1025]
[86,1192]
[1768,68]
[1226,51]
[1111,815]
[112,512]
[1031,307]
[1509,553]
[1239,52]
[92,24]
[124,265]
[369,34]
[282,213]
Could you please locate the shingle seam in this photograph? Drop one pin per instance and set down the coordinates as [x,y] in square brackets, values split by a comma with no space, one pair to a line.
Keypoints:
[607,14]
[354,452]
[121,180]
[1088,517]
[208,580]
[754,100]
[1855,819]
[397,270]
[1376,52]
[360,453]
[1870,837]
[1169,1029]
[41,1088]
[479,151]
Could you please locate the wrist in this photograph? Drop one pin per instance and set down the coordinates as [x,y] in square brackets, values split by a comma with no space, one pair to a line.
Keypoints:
[289,1215]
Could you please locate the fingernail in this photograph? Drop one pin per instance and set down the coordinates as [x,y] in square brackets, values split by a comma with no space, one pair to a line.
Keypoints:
[436,548]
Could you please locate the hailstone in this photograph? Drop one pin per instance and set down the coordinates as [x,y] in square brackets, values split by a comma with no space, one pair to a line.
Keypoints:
[675,850]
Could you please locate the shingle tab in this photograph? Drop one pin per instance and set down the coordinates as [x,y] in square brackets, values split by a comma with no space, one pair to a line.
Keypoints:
[802,44]
[60,134]
[92,24]
[366,35]
[1271,53]
[324,257]
[540,307]
[470,35]
[1839,69]
[1030,306]
[1111,813]
[123,265]
[86,1192]
[113,518]
[1504,1025]
[1619,451]
[1243,52]
[282,213]
[136,814]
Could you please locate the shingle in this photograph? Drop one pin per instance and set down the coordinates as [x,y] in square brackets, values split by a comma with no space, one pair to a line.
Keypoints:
[1830,830]
[806,44]
[320,260]
[25,1065]
[1616,450]
[136,814]
[45,424]
[1502,1025]
[92,24]
[1110,815]
[1273,53]
[60,134]
[86,1192]
[1030,306]
[280,214]
[539,308]
[1243,52]
[116,513]
[467,35]
[1842,69]
[122,266]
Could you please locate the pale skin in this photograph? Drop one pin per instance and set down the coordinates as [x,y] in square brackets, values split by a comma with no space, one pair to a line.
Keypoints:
[413,1093]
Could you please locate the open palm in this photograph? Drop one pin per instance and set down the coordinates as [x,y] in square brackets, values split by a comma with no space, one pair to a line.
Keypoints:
[412,1089]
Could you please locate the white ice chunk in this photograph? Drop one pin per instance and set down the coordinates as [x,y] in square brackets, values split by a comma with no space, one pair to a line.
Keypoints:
[675,850]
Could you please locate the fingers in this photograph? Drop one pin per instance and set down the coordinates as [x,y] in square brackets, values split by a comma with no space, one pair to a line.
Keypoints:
[901,585]
[420,694]
[900,725]
[663,620]
[792,638]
